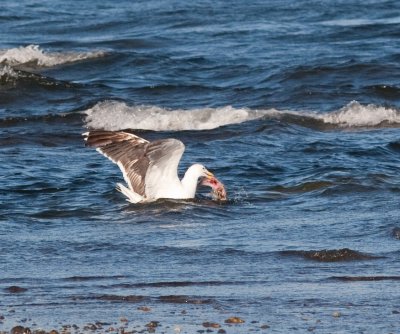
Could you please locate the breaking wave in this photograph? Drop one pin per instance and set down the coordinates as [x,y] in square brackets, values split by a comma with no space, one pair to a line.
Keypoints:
[115,115]
[34,56]
[357,115]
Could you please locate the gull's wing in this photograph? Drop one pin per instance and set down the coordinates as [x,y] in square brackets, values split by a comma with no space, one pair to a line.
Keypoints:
[144,165]
[162,174]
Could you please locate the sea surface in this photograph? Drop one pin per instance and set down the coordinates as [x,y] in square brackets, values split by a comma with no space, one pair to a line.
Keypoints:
[294,105]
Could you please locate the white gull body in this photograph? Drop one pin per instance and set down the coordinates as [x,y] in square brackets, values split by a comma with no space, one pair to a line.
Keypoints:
[150,169]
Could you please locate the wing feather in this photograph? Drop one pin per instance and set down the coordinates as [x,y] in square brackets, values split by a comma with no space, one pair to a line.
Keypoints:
[127,151]
[144,165]
[162,174]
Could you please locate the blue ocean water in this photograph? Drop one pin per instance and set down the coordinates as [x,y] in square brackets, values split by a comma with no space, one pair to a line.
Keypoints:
[294,105]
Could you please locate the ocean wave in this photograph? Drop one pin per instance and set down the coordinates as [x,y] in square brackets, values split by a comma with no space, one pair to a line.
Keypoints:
[34,56]
[11,77]
[357,115]
[116,115]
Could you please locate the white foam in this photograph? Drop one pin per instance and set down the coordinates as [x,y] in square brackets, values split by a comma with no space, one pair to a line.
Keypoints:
[8,71]
[355,114]
[8,76]
[114,115]
[32,54]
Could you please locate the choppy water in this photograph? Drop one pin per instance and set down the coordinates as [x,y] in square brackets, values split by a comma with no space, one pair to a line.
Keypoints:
[293,105]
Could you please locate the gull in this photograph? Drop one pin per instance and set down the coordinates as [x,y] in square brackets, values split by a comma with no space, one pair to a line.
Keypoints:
[150,169]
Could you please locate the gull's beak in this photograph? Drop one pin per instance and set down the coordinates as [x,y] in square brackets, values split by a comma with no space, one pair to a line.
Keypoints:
[206,178]
[209,175]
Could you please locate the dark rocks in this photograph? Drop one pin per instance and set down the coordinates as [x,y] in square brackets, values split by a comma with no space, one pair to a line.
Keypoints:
[211,325]
[234,320]
[144,308]
[15,289]
[90,327]
[179,299]
[153,324]
[117,298]
[331,255]
[396,233]
[20,330]
[121,326]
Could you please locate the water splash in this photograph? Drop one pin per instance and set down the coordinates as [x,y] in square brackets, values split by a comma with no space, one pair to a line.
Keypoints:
[242,196]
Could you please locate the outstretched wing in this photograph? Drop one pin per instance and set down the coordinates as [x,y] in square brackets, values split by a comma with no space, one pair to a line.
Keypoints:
[127,151]
[143,164]
[162,174]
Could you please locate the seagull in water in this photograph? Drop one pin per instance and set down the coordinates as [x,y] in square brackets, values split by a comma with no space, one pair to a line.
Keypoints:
[151,168]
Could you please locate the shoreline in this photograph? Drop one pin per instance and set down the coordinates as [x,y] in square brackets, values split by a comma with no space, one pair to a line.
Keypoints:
[126,326]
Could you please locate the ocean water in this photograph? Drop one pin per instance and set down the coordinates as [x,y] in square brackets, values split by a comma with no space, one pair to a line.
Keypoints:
[294,105]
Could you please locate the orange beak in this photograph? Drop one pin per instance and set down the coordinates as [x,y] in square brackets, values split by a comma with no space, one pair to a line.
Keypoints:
[209,175]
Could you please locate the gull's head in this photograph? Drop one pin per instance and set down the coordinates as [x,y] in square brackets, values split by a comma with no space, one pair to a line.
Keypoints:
[200,172]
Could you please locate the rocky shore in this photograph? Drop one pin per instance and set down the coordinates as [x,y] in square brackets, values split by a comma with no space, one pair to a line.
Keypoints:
[123,326]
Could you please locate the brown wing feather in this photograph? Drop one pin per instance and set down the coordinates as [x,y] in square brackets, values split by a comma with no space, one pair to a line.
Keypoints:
[136,156]
[126,150]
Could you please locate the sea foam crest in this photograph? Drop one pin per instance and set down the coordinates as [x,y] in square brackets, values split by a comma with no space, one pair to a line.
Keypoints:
[114,115]
[8,76]
[32,54]
[355,114]
[7,71]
